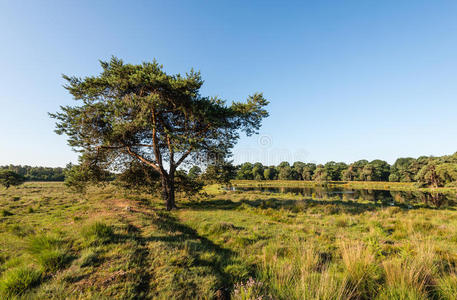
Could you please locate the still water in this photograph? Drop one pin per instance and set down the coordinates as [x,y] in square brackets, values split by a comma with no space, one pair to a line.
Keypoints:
[377,196]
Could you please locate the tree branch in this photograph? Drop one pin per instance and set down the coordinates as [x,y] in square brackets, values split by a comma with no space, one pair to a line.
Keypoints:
[144,160]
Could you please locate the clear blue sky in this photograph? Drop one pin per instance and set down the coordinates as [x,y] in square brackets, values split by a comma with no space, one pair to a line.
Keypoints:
[346,79]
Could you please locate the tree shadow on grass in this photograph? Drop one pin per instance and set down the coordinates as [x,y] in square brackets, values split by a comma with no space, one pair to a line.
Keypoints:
[193,256]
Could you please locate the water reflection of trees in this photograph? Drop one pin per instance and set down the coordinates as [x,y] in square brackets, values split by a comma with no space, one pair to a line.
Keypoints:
[375,196]
[414,197]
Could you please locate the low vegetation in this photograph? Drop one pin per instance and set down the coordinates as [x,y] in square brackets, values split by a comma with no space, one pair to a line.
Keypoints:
[111,243]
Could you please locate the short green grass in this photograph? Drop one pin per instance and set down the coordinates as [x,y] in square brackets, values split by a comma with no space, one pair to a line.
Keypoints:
[115,244]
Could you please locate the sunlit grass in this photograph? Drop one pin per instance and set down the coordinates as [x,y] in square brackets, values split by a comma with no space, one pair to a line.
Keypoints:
[245,245]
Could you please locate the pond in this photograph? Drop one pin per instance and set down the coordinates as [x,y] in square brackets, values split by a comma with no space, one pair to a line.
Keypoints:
[376,196]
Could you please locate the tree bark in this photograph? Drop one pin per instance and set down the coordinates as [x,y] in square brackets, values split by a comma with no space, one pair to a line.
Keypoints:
[168,191]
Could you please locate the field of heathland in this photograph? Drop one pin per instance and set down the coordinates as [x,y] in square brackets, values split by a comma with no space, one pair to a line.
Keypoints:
[111,243]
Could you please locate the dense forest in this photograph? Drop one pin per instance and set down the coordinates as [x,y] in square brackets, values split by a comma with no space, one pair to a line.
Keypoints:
[37,173]
[425,170]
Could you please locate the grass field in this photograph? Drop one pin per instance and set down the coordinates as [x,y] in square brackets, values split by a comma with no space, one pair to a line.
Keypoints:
[118,245]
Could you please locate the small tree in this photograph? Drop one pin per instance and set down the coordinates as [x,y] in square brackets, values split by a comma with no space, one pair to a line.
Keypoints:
[9,178]
[194,172]
[141,113]
[220,172]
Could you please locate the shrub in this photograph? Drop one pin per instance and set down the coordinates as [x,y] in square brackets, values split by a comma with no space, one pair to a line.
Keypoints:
[15,282]
[98,233]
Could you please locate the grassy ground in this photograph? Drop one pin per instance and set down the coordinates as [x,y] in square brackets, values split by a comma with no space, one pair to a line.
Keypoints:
[112,244]
[373,185]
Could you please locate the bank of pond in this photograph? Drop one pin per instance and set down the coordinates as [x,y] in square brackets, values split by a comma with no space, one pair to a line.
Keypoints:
[377,196]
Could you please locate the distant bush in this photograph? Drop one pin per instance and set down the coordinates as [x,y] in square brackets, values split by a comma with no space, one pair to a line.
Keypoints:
[9,178]
[98,233]
[15,282]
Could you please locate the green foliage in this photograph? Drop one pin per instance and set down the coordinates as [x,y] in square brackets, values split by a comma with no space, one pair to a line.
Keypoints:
[321,174]
[245,171]
[140,113]
[37,173]
[219,172]
[194,172]
[10,178]
[77,177]
[17,281]
[426,171]
[270,173]
[187,185]
[139,178]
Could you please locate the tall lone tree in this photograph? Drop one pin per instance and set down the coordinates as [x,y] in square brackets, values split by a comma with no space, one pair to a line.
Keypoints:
[139,112]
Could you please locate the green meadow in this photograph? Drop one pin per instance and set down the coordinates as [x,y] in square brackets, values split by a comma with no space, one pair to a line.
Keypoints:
[110,243]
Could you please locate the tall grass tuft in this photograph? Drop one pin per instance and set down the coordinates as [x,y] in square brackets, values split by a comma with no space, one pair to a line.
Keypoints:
[98,233]
[362,272]
[298,272]
[17,281]
[49,252]
[447,287]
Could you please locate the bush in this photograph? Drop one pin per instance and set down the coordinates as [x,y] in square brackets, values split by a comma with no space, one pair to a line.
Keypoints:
[9,178]
[98,233]
[15,282]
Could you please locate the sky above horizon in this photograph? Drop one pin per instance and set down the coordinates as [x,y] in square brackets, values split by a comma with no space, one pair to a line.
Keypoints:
[346,80]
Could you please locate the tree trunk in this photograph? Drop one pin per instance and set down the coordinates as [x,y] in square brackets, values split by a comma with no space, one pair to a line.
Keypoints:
[168,191]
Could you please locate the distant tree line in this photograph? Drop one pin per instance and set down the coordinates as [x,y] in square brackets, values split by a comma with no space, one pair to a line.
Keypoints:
[37,173]
[425,171]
